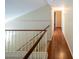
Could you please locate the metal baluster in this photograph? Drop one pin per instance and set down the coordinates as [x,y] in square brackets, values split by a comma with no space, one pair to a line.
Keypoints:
[9,39]
[41,48]
[26,47]
[46,44]
[24,40]
[17,39]
[45,50]
[9,42]
[32,44]
[12,40]
[21,36]
[35,47]
[44,40]
[5,40]
[13,36]
[6,44]
[38,50]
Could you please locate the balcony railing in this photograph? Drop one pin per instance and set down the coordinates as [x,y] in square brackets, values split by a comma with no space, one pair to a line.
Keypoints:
[33,42]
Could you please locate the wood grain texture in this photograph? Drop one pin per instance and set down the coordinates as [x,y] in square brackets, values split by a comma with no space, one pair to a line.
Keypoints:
[58,48]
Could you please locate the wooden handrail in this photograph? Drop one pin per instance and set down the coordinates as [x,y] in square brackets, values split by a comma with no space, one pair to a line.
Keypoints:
[33,47]
[24,30]
[35,44]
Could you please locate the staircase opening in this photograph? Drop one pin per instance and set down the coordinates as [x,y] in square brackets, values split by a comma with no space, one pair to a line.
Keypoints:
[26,44]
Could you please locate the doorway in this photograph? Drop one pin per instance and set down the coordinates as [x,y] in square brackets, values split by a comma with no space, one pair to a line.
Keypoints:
[57,19]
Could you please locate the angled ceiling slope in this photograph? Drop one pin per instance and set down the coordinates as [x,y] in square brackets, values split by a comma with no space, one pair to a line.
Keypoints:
[15,8]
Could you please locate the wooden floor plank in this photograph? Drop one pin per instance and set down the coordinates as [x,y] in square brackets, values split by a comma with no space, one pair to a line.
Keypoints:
[58,48]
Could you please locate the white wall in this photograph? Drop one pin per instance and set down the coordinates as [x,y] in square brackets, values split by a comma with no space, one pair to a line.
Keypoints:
[38,19]
[68,23]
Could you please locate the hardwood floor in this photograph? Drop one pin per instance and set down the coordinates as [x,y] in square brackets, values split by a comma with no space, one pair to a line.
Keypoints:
[58,48]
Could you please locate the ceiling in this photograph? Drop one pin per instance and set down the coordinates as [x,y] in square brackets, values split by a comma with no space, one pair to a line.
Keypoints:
[15,8]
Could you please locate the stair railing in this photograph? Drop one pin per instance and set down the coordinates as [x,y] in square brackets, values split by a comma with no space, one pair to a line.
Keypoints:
[26,44]
[36,45]
[15,39]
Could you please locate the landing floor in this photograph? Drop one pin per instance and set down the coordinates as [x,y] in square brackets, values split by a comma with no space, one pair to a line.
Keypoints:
[58,48]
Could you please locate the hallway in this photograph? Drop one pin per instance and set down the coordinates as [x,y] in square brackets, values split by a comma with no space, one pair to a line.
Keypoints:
[58,48]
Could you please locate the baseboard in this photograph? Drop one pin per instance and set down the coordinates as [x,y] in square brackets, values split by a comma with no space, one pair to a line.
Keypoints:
[68,44]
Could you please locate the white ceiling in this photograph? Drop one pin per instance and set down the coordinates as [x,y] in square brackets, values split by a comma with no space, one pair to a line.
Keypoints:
[14,8]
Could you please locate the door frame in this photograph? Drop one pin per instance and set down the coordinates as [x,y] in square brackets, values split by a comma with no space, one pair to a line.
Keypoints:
[52,17]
